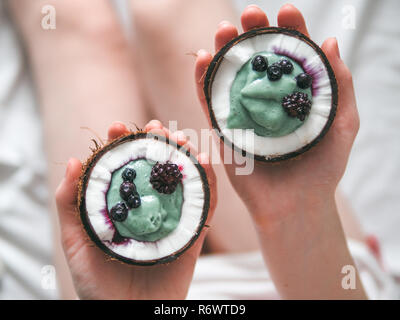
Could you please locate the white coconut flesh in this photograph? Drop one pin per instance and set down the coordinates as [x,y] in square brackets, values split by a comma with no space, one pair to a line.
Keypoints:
[232,62]
[192,206]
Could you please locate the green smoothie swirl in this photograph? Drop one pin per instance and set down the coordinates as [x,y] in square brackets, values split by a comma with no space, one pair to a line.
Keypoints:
[157,216]
[256,101]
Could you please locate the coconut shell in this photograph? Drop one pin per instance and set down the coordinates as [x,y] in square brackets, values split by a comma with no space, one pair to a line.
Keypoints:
[213,68]
[98,152]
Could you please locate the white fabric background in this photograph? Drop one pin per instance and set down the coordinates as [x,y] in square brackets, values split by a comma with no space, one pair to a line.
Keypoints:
[371,50]
[25,238]
[244,276]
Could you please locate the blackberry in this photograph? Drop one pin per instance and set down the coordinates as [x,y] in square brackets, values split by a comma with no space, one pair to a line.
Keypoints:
[129,174]
[134,201]
[297,105]
[286,66]
[119,212]
[259,63]
[274,72]
[165,177]
[126,189]
[304,80]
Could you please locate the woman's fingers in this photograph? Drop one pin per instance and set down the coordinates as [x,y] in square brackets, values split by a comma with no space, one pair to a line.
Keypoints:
[181,139]
[156,127]
[290,17]
[253,17]
[66,195]
[342,72]
[347,119]
[116,130]
[225,33]
[153,124]
[202,62]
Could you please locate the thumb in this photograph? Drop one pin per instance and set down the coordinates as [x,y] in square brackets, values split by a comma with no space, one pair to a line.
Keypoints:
[347,118]
[66,196]
[202,62]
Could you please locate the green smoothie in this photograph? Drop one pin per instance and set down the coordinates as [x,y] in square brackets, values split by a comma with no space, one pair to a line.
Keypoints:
[157,216]
[256,101]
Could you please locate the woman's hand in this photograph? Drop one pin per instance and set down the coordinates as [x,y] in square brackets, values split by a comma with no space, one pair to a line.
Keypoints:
[95,275]
[292,203]
[319,170]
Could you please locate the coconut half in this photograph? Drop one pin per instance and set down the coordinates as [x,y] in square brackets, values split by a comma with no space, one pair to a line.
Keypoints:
[232,59]
[104,227]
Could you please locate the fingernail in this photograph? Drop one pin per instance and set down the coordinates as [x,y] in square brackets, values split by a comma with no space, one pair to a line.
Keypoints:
[204,159]
[289,5]
[180,136]
[118,123]
[253,6]
[201,52]
[222,23]
[154,124]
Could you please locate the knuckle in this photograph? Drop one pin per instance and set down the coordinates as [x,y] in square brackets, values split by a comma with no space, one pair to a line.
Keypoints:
[353,121]
[68,243]
[347,75]
[350,123]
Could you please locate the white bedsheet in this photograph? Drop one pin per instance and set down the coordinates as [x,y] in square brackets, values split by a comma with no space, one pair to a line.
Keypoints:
[25,240]
[244,276]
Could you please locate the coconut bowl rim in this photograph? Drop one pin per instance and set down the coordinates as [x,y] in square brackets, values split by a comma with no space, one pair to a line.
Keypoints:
[84,179]
[213,69]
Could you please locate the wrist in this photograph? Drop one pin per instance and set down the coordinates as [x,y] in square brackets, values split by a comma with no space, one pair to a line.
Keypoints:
[282,206]
[307,248]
